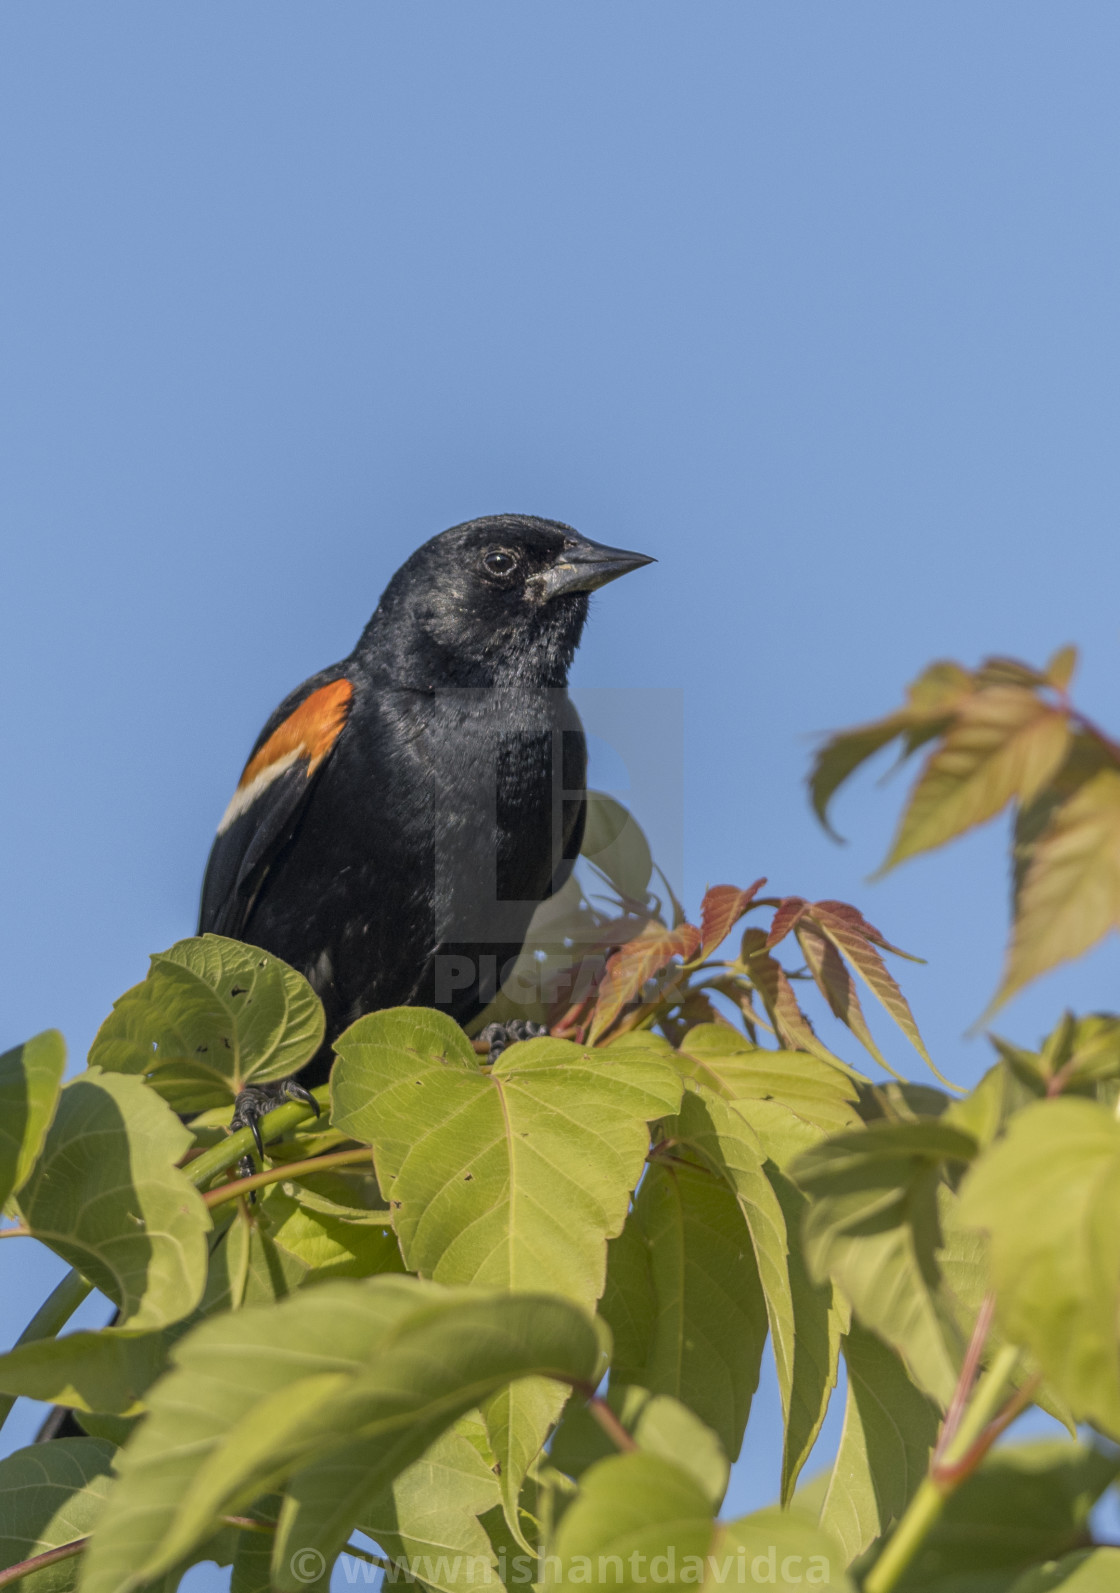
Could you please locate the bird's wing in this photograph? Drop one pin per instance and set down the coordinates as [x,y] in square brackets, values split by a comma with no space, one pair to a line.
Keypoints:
[270,798]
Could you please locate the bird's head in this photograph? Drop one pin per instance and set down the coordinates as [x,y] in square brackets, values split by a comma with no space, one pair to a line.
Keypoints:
[498,599]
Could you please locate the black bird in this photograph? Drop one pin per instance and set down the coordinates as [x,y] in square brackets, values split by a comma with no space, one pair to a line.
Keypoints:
[404,811]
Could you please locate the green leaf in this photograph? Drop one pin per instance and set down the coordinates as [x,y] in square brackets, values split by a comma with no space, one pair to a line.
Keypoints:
[873,1226]
[427,1517]
[725,1062]
[932,700]
[1027,1503]
[247,1267]
[648,1514]
[659,1424]
[105,1371]
[327,1245]
[820,1318]
[986,1110]
[717,1134]
[614,842]
[890,1428]
[842,754]
[781,1549]
[518,1419]
[512,1179]
[787,1100]
[1005,744]
[1082,1052]
[51,1494]
[1086,758]
[709,1323]
[29,1081]
[337,1389]
[1047,1195]
[107,1197]
[212,1016]
[1070,892]
[627,1305]
[1088,1571]
[252,1558]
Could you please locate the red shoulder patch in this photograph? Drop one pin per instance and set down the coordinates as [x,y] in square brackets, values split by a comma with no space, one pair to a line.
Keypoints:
[306,736]
[310,732]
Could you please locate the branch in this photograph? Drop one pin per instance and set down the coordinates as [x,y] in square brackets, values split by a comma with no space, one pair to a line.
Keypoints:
[282,1171]
[967,1378]
[65,1551]
[963,1453]
[215,1160]
[610,1424]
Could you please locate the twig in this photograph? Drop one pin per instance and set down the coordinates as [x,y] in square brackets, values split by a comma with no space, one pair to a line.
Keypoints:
[967,1378]
[280,1171]
[952,1476]
[610,1424]
[65,1551]
[963,1454]
[215,1160]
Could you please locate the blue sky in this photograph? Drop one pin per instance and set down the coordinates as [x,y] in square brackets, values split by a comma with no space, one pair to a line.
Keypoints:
[818,304]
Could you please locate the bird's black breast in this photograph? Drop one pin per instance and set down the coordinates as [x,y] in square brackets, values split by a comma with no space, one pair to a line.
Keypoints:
[438,823]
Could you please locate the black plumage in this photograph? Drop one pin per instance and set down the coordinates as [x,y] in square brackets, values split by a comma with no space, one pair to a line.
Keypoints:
[404,811]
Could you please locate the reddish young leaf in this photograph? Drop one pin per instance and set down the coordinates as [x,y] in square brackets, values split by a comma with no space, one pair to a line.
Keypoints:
[789,911]
[868,964]
[837,986]
[634,963]
[721,910]
[852,916]
[769,978]
[568,1025]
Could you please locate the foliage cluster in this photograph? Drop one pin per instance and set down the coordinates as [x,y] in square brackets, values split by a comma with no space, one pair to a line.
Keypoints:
[507,1321]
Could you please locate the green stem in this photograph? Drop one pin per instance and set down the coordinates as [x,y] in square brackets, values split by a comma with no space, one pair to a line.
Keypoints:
[924,1510]
[281,1171]
[55,1311]
[215,1160]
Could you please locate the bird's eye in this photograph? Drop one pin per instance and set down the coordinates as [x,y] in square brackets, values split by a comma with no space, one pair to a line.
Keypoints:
[498,562]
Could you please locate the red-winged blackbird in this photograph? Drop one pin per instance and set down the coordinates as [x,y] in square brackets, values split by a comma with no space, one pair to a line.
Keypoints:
[404,811]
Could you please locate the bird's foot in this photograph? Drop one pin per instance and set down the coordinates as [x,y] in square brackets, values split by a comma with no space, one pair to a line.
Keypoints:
[498,1035]
[256,1101]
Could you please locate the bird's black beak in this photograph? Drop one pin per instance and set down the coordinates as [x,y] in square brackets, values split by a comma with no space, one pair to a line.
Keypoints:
[587,565]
